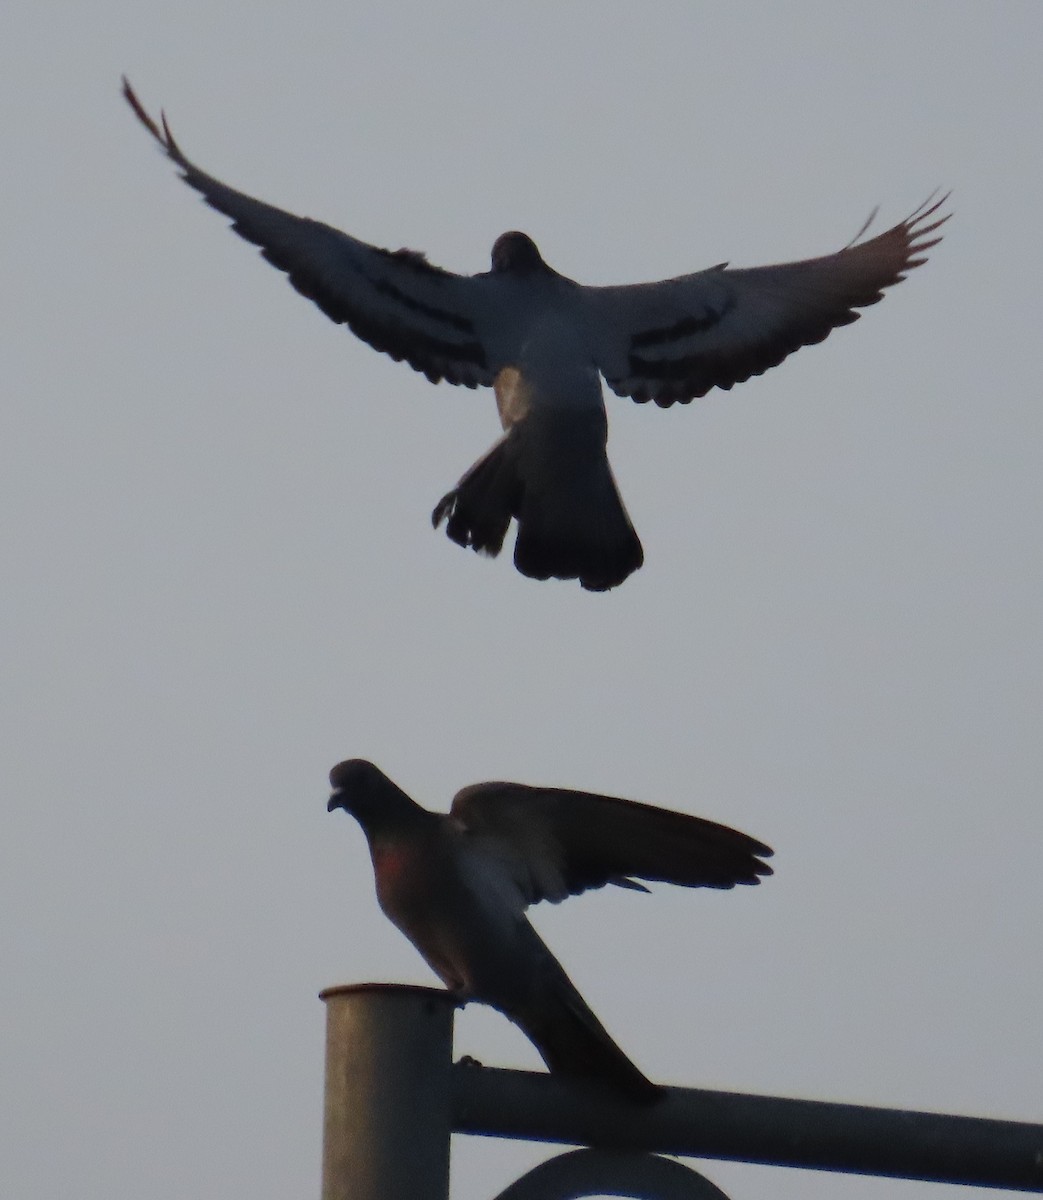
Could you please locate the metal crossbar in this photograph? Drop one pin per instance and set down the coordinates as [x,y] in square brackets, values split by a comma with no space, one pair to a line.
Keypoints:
[756,1129]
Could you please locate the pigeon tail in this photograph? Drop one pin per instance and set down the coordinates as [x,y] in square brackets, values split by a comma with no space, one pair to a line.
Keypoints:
[478,510]
[572,1041]
[572,525]
[571,520]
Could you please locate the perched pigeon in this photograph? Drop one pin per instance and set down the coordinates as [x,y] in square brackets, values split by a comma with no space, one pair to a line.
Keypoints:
[457,886]
[542,341]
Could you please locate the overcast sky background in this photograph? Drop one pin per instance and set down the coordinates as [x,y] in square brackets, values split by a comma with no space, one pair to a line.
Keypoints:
[220,576]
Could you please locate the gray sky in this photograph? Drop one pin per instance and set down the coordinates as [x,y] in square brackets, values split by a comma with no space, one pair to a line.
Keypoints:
[221,578]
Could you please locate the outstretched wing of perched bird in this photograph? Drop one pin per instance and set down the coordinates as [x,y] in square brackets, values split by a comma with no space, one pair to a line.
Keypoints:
[559,842]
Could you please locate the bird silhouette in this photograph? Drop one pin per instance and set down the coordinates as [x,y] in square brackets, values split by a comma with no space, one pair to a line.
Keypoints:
[543,342]
[458,884]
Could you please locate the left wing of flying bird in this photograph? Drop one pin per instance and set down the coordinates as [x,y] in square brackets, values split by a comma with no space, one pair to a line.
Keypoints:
[442,324]
[675,340]
[557,842]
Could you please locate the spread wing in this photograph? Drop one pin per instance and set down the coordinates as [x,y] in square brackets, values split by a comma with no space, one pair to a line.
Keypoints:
[675,340]
[558,842]
[440,323]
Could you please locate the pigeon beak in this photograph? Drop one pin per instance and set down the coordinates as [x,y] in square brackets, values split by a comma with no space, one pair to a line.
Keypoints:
[337,800]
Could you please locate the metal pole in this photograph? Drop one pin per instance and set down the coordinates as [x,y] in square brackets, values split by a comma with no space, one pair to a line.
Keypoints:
[758,1129]
[388,1101]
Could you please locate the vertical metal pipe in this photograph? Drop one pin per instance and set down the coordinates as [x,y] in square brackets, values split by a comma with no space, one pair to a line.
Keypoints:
[388,1102]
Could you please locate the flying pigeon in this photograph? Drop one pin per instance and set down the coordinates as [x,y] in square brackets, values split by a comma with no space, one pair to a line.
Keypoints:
[457,886]
[542,341]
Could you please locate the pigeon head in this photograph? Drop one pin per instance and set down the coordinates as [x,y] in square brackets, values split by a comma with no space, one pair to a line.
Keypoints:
[357,786]
[516,252]
[363,790]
